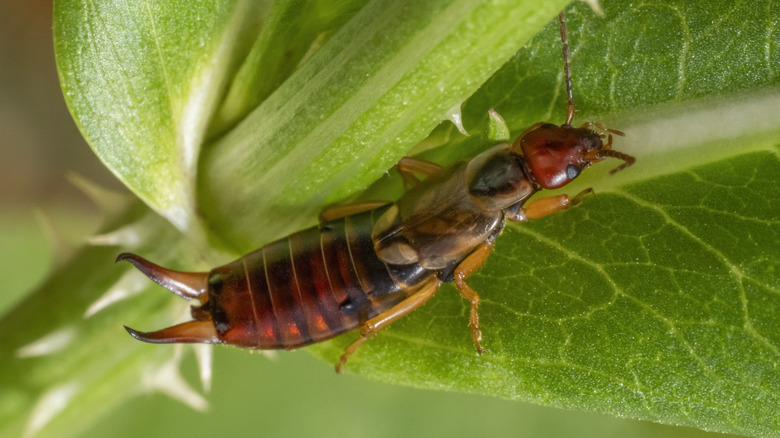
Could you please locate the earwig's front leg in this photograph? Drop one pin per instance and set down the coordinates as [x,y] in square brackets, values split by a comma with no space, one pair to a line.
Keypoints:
[405,307]
[546,206]
[464,271]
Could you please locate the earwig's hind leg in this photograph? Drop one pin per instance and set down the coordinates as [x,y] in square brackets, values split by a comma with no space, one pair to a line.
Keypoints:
[546,206]
[372,326]
[187,285]
[464,270]
[408,166]
[189,332]
[334,212]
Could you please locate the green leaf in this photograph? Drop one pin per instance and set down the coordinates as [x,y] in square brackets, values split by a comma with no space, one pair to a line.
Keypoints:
[656,299]
[142,80]
[497,129]
[293,29]
[66,358]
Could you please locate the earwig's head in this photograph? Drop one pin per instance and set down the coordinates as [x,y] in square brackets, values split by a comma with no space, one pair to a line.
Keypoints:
[555,155]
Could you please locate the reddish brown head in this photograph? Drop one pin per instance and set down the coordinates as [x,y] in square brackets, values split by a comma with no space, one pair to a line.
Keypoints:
[555,155]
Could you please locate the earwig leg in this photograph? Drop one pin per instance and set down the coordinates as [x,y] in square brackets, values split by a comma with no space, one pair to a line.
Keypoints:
[187,285]
[334,212]
[349,351]
[546,206]
[408,166]
[578,199]
[464,271]
[189,332]
[405,307]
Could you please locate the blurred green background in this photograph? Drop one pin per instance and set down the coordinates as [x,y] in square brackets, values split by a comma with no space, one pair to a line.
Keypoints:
[43,217]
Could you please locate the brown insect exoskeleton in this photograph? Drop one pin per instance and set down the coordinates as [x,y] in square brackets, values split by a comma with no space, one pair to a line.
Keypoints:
[369,264]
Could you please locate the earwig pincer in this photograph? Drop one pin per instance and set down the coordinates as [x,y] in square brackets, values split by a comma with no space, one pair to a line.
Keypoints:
[369,264]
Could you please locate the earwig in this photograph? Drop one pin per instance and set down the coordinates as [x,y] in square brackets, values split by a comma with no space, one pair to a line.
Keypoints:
[369,264]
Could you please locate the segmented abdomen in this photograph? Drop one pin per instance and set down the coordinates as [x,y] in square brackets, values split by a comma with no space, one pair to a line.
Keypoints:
[308,287]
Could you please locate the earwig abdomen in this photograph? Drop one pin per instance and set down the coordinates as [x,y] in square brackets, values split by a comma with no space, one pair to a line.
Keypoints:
[306,288]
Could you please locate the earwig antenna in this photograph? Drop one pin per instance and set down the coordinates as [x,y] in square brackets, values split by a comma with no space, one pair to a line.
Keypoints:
[566,68]
[629,160]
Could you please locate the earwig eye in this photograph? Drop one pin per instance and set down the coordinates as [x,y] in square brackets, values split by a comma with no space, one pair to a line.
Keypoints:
[573,171]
